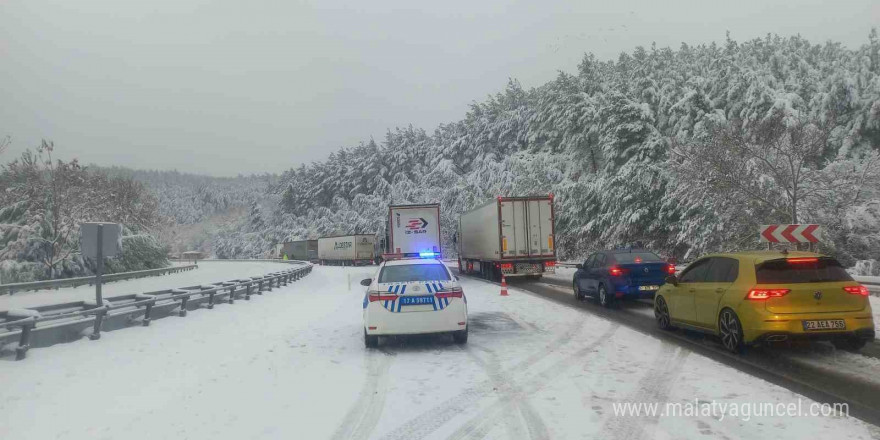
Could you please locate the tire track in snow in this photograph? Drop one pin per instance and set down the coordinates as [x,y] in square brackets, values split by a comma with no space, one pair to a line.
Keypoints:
[364,414]
[653,387]
[427,422]
[530,418]
[478,426]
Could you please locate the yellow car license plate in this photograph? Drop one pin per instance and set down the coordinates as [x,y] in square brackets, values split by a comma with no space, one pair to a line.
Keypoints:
[824,324]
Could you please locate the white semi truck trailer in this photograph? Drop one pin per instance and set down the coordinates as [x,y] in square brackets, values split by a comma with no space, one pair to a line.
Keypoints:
[414,231]
[347,250]
[513,236]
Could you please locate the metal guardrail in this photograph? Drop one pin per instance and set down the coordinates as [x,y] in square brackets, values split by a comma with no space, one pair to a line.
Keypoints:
[11,288]
[48,325]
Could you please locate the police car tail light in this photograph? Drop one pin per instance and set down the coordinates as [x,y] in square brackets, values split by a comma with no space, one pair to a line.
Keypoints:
[381,296]
[857,290]
[456,292]
[759,294]
[670,269]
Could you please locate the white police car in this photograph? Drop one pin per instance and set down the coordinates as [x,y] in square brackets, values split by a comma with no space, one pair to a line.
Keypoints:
[414,296]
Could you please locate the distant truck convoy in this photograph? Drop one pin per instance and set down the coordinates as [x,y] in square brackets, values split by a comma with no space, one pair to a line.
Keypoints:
[414,230]
[513,236]
[347,250]
[305,250]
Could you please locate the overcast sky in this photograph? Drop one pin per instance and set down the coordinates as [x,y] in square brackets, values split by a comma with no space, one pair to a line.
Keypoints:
[228,87]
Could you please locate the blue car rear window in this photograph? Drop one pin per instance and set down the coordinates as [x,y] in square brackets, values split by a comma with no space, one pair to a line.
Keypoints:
[631,257]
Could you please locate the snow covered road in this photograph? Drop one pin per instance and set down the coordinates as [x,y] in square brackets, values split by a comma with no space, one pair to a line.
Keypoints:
[291,364]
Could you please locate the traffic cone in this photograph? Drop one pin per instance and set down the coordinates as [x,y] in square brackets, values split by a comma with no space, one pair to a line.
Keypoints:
[503,285]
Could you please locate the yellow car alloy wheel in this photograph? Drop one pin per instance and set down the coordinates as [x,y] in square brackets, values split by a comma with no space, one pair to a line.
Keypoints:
[661,314]
[730,331]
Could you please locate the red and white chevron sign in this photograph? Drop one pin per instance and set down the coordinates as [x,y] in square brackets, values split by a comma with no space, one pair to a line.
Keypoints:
[790,233]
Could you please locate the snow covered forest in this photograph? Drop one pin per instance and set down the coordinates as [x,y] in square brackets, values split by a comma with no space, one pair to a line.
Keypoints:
[686,151]
[44,200]
[195,210]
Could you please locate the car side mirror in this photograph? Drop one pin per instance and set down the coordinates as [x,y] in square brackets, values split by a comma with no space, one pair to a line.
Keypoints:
[366,282]
[580,266]
[457,278]
[672,279]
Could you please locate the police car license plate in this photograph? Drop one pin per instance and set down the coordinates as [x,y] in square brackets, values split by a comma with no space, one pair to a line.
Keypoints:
[649,287]
[416,300]
[824,324]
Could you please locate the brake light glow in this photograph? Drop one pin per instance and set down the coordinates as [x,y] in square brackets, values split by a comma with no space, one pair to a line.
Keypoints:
[616,271]
[456,292]
[378,296]
[506,265]
[549,263]
[857,290]
[758,294]
[802,260]
[638,259]
[670,269]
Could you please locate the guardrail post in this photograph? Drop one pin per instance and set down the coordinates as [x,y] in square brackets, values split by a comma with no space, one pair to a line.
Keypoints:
[210,294]
[232,285]
[259,281]
[24,340]
[99,320]
[148,307]
[271,281]
[183,300]
[247,291]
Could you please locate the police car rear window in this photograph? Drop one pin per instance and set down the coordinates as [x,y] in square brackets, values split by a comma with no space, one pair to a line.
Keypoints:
[636,257]
[414,272]
[807,270]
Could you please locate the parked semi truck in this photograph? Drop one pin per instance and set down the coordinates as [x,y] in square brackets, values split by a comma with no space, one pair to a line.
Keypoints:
[513,236]
[347,250]
[414,231]
[305,250]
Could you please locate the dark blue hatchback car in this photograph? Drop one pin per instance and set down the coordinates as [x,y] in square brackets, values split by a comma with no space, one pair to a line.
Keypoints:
[620,274]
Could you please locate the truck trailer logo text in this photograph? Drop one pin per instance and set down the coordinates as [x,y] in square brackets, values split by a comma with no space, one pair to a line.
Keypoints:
[341,245]
[416,226]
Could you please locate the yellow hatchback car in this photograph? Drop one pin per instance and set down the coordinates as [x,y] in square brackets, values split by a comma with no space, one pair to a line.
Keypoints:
[764,296]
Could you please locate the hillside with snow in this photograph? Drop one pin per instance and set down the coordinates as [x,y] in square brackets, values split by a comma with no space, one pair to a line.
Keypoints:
[685,151]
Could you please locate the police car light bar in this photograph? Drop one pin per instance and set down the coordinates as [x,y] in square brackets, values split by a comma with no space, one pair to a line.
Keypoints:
[427,255]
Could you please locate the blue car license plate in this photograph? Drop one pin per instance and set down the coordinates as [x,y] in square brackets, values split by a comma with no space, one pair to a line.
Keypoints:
[416,300]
